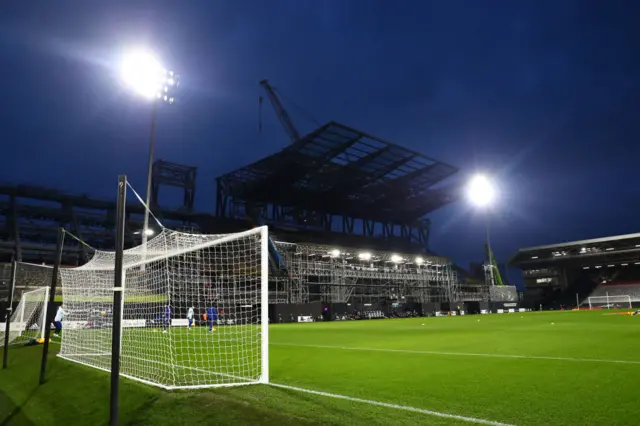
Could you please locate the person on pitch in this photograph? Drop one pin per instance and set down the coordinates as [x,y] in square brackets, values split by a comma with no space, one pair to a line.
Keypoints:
[190,316]
[58,321]
[166,320]
[212,317]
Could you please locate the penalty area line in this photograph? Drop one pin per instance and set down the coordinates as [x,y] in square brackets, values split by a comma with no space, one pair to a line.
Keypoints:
[418,352]
[393,406]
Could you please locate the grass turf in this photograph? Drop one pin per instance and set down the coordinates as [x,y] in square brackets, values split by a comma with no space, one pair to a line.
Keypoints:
[395,361]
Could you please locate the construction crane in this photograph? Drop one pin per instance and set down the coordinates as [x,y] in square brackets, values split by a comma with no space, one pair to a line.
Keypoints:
[283,115]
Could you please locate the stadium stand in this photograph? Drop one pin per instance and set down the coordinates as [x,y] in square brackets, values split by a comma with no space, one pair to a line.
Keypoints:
[631,289]
[555,274]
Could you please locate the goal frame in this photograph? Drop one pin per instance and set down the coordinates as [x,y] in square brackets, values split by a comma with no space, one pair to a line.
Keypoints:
[264,308]
[45,309]
[610,299]
[20,319]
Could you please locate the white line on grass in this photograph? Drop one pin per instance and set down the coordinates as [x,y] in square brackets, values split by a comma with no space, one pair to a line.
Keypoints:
[344,397]
[394,406]
[408,351]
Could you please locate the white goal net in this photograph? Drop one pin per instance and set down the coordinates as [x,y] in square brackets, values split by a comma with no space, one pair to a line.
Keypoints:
[609,302]
[195,310]
[28,319]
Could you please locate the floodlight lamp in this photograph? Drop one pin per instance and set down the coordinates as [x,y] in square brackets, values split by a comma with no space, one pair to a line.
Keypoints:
[149,232]
[481,191]
[364,256]
[396,259]
[142,71]
[334,253]
[419,260]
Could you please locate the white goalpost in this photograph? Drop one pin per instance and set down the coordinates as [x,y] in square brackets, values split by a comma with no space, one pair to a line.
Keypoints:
[28,319]
[222,279]
[608,302]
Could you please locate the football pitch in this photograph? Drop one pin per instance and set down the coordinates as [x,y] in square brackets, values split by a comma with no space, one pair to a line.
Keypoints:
[552,368]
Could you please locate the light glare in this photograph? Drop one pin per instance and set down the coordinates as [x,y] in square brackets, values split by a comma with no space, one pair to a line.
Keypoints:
[481,191]
[364,256]
[143,73]
[396,259]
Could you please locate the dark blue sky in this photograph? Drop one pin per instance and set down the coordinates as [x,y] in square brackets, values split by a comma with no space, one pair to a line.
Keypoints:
[543,93]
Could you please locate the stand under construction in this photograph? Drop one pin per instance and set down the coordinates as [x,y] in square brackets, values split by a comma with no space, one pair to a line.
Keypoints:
[346,213]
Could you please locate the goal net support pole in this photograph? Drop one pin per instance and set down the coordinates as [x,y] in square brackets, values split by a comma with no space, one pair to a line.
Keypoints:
[51,305]
[118,289]
[5,354]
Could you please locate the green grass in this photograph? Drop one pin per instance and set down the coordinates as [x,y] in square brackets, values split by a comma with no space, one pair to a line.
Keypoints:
[395,361]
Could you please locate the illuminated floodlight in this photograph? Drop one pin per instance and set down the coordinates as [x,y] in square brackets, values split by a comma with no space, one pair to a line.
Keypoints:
[149,232]
[419,260]
[143,72]
[481,191]
[364,256]
[396,259]
[334,253]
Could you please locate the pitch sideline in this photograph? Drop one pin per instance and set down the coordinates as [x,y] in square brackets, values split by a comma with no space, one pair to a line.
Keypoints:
[418,352]
[365,401]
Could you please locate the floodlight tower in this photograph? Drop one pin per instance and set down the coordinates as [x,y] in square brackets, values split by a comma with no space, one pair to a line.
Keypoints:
[482,193]
[142,71]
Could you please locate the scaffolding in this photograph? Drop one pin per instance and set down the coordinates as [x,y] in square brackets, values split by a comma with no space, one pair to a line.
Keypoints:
[319,273]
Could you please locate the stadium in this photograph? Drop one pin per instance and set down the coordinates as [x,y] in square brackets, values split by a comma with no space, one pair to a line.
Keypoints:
[578,274]
[325,294]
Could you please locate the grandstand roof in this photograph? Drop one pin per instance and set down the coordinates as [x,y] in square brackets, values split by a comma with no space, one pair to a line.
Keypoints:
[340,170]
[613,249]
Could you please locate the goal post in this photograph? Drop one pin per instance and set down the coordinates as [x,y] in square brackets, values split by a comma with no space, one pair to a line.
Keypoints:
[30,288]
[195,310]
[609,302]
[29,318]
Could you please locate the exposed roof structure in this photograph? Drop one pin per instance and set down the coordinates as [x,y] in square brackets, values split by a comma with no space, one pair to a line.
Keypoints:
[620,248]
[339,170]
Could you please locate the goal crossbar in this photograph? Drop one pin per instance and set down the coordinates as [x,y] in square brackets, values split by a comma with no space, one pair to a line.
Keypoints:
[152,256]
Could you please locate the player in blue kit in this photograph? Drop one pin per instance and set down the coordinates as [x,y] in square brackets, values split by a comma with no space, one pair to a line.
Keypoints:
[212,317]
[166,319]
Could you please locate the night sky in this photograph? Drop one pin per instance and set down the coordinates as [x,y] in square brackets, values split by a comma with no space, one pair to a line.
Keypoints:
[543,94]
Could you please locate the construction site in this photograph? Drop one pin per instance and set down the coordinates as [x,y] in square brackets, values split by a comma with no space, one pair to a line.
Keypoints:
[349,222]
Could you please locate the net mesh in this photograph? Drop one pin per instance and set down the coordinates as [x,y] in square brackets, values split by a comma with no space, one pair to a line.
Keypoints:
[192,310]
[28,319]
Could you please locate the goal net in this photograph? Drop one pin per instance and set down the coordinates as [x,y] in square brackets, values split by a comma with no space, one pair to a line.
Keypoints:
[609,302]
[28,319]
[195,310]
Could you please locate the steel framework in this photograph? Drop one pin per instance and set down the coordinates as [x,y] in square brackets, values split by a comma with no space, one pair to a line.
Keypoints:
[330,274]
[177,176]
[30,217]
[340,179]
